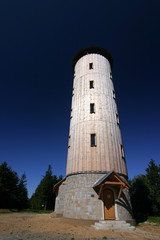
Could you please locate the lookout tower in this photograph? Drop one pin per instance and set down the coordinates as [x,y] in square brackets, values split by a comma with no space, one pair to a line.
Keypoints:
[96,184]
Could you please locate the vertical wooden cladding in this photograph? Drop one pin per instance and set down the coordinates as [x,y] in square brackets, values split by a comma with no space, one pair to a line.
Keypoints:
[106,155]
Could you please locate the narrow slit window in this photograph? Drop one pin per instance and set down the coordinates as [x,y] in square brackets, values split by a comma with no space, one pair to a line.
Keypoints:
[92,109]
[114,95]
[73,92]
[69,142]
[93,140]
[110,75]
[91,84]
[90,65]
[71,114]
[122,151]
[117,119]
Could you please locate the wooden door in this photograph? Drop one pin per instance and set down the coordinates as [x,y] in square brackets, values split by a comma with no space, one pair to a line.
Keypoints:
[108,198]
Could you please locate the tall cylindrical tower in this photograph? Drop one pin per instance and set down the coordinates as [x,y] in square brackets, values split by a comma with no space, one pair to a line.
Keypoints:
[96,185]
[95,143]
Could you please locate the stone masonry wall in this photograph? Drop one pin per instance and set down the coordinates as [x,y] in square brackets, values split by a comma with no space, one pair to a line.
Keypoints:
[60,199]
[77,199]
[124,208]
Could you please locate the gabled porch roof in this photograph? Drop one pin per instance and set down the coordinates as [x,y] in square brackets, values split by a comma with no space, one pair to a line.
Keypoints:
[111,179]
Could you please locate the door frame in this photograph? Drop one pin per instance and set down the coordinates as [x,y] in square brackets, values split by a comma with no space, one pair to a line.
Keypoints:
[115,204]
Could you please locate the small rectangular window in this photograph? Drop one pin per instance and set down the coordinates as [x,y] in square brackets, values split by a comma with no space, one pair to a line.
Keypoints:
[69,142]
[110,75]
[114,95]
[90,65]
[71,114]
[93,140]
[91,84]
[73,92]
[122,151]
[117,118]
[92,108]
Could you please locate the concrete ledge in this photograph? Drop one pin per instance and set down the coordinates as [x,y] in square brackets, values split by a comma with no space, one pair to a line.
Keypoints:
[113,225]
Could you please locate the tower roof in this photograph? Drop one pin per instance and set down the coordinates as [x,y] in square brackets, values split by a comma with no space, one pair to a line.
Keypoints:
[92,49]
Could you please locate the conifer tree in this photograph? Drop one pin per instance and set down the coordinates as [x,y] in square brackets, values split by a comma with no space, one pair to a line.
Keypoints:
[43,198]
[145,193]
[140,197]
[8,187]
[153,176]
[13,192]
[22,193]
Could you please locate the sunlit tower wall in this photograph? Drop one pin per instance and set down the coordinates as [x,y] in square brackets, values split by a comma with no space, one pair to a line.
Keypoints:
[95,143]
[95,147]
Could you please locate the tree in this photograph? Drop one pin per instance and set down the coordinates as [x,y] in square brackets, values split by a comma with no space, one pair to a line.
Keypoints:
[153,176]
[43,196]
[13,191]
[140,197]
[8,187]
[22,193]
[145,193]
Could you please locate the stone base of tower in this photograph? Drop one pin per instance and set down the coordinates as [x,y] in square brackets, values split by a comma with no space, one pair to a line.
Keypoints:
[77,198]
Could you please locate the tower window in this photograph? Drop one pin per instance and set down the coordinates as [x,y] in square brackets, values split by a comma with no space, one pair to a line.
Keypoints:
[110,75]
[90,65]
[114,95]
[122,151]
[93,140]
[91,84]
[117,118]
[73,92]
[69,142]
[92,108]
[71,114]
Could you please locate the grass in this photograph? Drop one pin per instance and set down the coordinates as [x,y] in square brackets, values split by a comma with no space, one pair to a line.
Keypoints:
[154,220]
[35,211]
[5,211]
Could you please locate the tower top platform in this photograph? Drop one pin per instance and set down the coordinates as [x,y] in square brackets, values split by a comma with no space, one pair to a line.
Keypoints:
[92,49]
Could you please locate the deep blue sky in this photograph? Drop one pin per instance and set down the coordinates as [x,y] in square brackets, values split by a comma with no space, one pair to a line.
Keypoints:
[37,43]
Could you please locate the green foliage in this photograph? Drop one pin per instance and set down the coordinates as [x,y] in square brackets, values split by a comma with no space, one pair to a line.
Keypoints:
[153,175]
[22,193]
[154,220]
[8,187]
[43,198]
[36,211]
[140,197]
[145,193]
[13,191]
